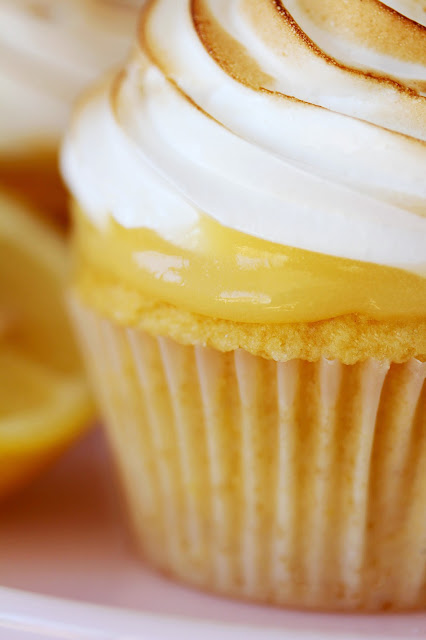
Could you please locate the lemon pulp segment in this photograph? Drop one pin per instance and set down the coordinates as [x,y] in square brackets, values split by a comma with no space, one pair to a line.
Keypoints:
[45,402]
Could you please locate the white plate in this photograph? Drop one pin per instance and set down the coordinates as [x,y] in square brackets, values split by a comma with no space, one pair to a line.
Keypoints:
[68,571]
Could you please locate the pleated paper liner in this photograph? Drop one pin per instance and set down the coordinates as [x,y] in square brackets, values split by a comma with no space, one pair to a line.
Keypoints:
[293,483]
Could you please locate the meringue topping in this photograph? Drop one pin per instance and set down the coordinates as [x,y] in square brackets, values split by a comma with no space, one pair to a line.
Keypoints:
[49,51]
[298,122]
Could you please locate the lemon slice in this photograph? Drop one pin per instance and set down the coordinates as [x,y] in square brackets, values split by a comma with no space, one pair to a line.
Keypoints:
[45,402]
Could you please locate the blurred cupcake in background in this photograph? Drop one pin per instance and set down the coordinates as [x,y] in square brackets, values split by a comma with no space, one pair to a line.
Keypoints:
[251,296]
[49,51]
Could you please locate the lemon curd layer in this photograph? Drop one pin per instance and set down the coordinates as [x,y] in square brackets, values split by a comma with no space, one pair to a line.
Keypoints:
[225,274]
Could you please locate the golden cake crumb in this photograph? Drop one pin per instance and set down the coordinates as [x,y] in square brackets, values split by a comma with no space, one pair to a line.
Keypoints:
[350,339]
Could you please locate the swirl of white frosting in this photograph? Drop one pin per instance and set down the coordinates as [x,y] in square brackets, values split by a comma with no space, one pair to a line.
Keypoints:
[49,51]
[288,120]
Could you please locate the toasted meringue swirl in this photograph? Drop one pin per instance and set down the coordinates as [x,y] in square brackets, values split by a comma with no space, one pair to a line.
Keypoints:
[49,51]
[300,122]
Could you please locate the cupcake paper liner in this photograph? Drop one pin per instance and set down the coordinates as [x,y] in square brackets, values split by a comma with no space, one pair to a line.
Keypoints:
[293,483]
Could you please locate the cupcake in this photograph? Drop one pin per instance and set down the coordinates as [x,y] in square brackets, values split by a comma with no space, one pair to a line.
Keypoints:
[50,50]
[250,294]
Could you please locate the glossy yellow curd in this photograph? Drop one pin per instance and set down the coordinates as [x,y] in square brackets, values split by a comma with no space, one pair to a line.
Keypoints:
[221,273]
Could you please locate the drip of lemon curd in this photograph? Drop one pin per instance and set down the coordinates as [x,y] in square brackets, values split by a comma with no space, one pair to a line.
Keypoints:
[222,273]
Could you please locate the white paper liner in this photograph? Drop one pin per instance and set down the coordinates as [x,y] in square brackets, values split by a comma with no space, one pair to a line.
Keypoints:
[293,483]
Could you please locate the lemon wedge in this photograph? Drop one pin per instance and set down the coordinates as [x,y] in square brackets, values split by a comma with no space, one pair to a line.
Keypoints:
[45,403]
